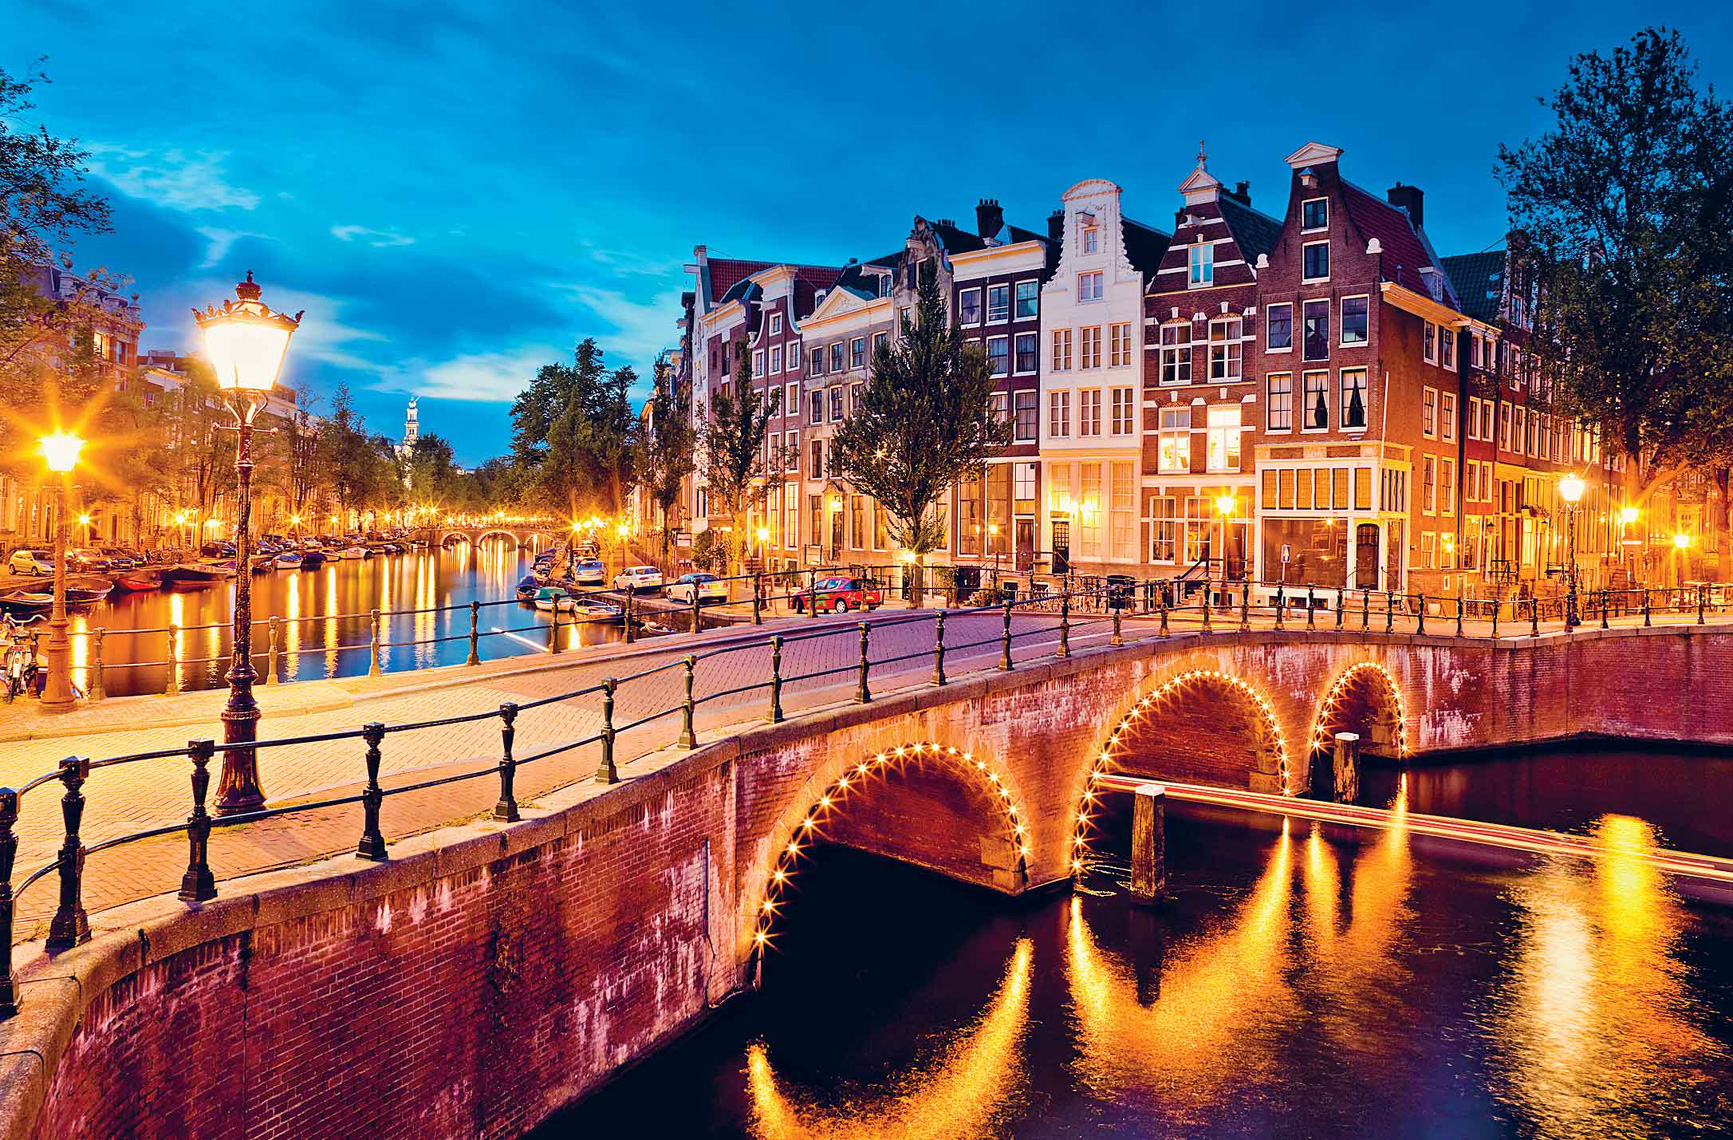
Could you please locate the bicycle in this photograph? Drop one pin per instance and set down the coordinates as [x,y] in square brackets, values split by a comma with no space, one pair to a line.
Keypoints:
[20,660]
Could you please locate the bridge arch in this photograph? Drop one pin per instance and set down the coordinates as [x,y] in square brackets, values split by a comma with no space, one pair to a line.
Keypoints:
[1364,698]
[475,535]
[1268,744]
[826,795]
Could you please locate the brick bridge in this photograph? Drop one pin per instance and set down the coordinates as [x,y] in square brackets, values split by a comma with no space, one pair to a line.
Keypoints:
[522,534]
[489,973]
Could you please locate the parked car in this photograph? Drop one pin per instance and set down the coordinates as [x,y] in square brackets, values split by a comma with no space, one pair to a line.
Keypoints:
[839,595]
[86,560]
[638,578]
[589,572]
[28,561]
[705,587]
[121,559]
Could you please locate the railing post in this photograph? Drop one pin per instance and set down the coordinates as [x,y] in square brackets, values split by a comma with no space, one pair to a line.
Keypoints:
[1389,611]
[1341,606]
[939,649]
[1164,629]
[506,810]
[757,598]
[97,692]
[8,854]
[1365,611]
[863,695]
[1497,604]
[1065,624]
[1702,597]
[1118,637]
[373,646]
[696,598]
[775,716]
[1420,614]
[1534,617]
[631,634]
[372,845]
[71,926]
[1646,606]
[174,668]
[1281,604]
[1005,643]
[689,712]
[198,884]
[474,634]
[1606,599]
[1207,607]
[606,771]
[554,628]
[273,640]
[1311,609]
[1459,611]
[1246,607]
[812,594]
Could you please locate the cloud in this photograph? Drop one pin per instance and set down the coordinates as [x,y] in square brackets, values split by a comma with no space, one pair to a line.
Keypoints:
[627,262]
[378,239]
[174,177]
[221,242]
[489,376]
[642,329]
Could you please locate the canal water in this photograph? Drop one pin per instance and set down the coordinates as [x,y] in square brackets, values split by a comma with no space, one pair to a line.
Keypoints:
[325,626]
[1298,981]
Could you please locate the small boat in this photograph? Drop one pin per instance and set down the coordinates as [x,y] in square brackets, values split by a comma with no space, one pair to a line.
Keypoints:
[358,552]
[194,574]
[552,597]
[527,587]
[262,563]
[594,611]
[333,555]
[291,559]
[85,589]
[312,559]
[138,580]
[25,602]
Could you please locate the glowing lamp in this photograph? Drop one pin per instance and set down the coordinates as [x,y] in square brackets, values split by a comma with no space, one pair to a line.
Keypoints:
[908,556]
[246,339]
[1571,489]
[84,520]
[993,529]
[1682,541]
[60,451]
[1225,504]
[1627,515]
[763,534]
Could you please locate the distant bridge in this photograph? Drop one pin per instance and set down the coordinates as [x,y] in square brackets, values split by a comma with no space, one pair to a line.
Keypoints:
[523,534]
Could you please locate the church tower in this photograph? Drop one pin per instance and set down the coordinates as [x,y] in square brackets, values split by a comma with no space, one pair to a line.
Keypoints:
[411,429]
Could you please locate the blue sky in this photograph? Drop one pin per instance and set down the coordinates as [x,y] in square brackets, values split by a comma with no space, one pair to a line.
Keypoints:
[457,192]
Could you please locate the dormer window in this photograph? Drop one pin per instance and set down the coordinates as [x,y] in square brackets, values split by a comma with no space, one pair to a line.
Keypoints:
[775,323]
[1091,239]
[1201,261]
[1315,214]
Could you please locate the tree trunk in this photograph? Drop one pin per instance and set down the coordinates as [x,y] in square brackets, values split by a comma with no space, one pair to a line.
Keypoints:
[1718,515]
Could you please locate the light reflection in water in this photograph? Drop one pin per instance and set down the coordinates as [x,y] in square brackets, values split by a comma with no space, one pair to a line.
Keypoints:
[1594,1031]
[331,610]
[291,626]
[964,1091]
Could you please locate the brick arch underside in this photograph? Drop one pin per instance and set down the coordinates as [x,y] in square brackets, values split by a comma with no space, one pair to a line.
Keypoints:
[1201,729]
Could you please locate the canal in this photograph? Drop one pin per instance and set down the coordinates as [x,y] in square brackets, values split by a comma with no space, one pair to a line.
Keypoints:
[1299,980]
[325,625]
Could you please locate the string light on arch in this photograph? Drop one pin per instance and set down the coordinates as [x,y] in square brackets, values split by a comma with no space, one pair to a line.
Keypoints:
[1338,692]
[1144,707]
[809,829]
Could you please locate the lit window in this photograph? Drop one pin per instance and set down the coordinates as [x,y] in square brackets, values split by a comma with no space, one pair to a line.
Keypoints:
[1224,349]
[1174,444]
[1353,398]
[1089,412]
[1059,414]
[1119,340]
[1316,408]
[1281,401]
[1224,438]
[1089,350]
[1123,411]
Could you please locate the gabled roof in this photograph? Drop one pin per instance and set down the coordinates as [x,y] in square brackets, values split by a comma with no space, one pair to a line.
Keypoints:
[726,274]
[1144,246]
[956,239]
[745,289]
[1405,249]
[1255,232]
[1478,279]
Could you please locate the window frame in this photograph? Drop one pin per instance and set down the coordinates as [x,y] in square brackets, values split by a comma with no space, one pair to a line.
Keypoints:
[1365,322]
[963,296]
[1288,307]
[1034,299]
[1308,307]
[1365,389]
[1270,425]
[1318,229]
[1003,365]
[1200,265]
[1306,402]
[1003,289]
[1176,354]
[1231,349]
[1306,276]
[1095,277]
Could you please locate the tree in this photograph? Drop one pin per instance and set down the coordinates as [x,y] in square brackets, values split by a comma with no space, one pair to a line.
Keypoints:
[665,452]
[733,456]
[924,423]
[575,428]
[1622,219]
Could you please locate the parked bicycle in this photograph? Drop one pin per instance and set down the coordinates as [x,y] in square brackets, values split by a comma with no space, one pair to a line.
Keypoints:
[20,662]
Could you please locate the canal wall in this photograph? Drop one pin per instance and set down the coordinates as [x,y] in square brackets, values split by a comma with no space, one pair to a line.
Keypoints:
[489,973]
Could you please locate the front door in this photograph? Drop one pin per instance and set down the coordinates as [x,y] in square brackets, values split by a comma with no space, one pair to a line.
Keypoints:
[1061,546]
[1366,556]
[1025,549]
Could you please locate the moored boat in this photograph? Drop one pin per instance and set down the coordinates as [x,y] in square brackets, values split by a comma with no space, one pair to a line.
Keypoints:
[291,559]
[138,580]
[358,552]
[26,602]
[527,587]
[312,559]
[84,589]
[198,574]
[552,597]
[594,611]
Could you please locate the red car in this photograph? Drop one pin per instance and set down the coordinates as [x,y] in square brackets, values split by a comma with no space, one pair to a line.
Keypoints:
[839,595]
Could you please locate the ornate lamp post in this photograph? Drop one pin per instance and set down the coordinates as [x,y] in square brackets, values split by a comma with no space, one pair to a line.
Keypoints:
[993,541]
[245,341]
[1570,489]
[1226,505]
[60,452]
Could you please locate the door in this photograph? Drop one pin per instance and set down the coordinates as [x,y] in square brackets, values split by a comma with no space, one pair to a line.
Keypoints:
[1061,546]
[1366,556]
[1025,535]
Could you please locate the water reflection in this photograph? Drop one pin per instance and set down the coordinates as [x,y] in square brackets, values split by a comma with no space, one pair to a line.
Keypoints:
[965,1090]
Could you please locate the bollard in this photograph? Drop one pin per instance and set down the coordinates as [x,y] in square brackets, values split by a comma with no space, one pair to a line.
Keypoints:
[1389,612]
[506,810]
[939,649]
[812,593]
[1207,607]
[757,599]
[373,647]
[372,845]
[631,632]
[1148,844]
[1005,645]
[1702,596]
[1164,630]
[1645,606]
[272,665]
[1459,611]
[8,854]
[1534,617]
[474,634]
[1420,615]
[97,692]
[606,771]
[1497,604]
[1118,637]
[1341,606]
[1606,597]
[775,679]
[71,926]
[1064,625]
[174,669]
[689,712]
[1347,765]
[697,623]
[1365,610]
[554,628]
[198,884]
[1245,607]
[863,695]
[1281,604]
[1311,609]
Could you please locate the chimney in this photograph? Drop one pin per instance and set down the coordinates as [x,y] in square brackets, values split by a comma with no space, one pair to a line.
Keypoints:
[989,218]
[1411,199]
[1243,193]
[1056,225]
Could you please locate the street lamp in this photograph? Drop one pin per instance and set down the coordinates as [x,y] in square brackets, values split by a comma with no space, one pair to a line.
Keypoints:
[993,541]
[246,341]
[1226,504]
[60,452]
[1571,489]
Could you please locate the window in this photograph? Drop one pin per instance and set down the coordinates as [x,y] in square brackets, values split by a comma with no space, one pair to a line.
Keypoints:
[1224,438]
[758,363]
[791,399]
[1164,533]
[1354,320]
[1091,236]
[854,393]
[1026,353]
[1028,299]
[1176,354]
[1476,351]
[1316,409]
[836,404]
[817,469]
[1059,414]
[996,407]
[1428,484]
[1089,352]
[791,454]
[1089,286]
[1173,453]
[1429,413]
[1279,327]
[1061,361]
[1124,409]
[836,357]
[1122,510]
[1315,214]
[1473,420]
[1224,349]
[776,359]
[818,362]
[1023,485]
[1353,398]
[857,352]
[880,340]
[998,302]
[1201,264]
[794,356]
[1504,427]
[1119,341]
[1428,550]
[817,413]
[1089,412]
[1027,424]
[1281,401]
[775,323]
[1317,261]
[1429,342]
[1447,486]
[1316,320]
[1447,348]
[1447,416]
[999,354]
[969,307]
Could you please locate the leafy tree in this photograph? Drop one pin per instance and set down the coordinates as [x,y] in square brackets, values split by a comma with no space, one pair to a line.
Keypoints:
[924,422]
[732,455]
[1623,219]
[431,471]
[575,428]
[665,452]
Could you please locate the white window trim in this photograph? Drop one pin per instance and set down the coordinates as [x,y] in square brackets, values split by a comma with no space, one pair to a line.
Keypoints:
[1304,246]
[980,307]
[1431,433]
[1288,305]
[1008,361]
[1305,404]
[1036,315]
[1342,321]
[987,308]
[1323,229]
[1268,405]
